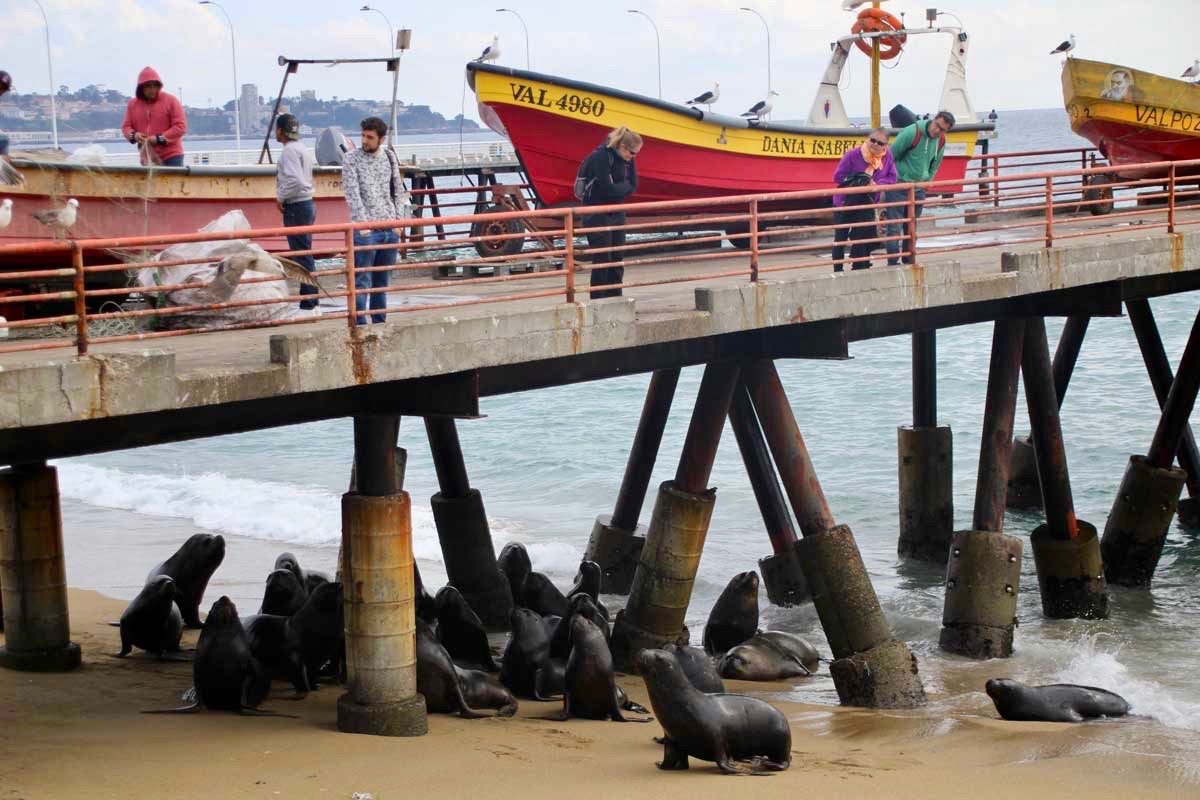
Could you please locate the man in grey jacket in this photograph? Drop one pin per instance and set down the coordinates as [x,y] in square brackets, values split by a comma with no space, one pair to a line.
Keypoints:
[294,193]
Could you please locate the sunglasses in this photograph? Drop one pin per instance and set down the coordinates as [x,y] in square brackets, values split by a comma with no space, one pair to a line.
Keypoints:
[873,140]
[631,151]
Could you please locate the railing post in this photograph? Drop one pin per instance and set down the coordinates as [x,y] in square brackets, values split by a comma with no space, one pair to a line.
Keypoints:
[569,245]
[912,224]
[1171,200]
[754,241]
[81,332]
[350,294]
[1049,212]
[996,184]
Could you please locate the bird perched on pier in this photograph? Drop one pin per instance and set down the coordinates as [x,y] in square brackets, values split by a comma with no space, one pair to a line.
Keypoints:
[1065,47]
[59,219]
[1193,71]
[759,111]
[708,98]
[492,52]
[6,212]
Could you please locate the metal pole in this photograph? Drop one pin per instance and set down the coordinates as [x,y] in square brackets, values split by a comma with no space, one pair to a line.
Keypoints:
[50,70]
[644,452]
[524,27]
[375,454]
[657,44]
[999,410]
[237,97]
[763,480]
[704,430]
[1048,445]
[1178,407]
[768,30]
[1067,353]
[81,331]
[266,148]
[924,379]
[447,456]
[391,30]
[876,105]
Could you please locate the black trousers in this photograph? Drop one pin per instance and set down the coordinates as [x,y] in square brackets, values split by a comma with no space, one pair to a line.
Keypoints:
[605,276]
[860,253]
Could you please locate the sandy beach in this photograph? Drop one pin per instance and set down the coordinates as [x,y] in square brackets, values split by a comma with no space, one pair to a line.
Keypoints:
[81,735]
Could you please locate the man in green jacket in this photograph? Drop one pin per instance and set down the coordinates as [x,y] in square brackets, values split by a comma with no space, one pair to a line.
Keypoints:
[917,151]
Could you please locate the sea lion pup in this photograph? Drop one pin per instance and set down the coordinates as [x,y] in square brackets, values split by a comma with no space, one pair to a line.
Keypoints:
[581,605]
[542,596]
[734,618]
[426,606]
[770,656]
[152,622]
[590,691]
[514,562]
[1057,702]
[461,632]
[441,682]
[699,668]
[297,647]
[284,594]
[190,567]
[730,729]
[525,667]
[588,581]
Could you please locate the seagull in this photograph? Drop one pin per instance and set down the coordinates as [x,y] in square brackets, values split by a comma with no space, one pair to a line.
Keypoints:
[492,52]
[59,219]
[1065,47]
[708,98]
[6,212]
[1193,71]
[759,110]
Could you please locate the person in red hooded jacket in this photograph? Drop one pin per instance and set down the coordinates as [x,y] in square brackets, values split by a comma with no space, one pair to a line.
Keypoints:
[154,121]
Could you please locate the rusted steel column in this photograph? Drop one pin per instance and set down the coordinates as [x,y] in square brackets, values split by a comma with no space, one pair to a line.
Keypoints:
[781,570]
[1180,401]
[463,532]
[924,379]
[984,569]
[925,459]
[1066,551]
[616,541]
[666,570]
[1024,491]
[37,627]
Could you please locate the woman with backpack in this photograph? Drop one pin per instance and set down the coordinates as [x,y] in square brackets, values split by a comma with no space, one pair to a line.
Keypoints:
[870,164]
[607,176]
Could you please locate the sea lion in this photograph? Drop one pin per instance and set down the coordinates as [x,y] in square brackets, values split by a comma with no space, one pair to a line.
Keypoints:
[734,618]
[543,596]
[724,728]
[438,679]
[292,564]
[296,647]
[152,622]
[699,668]
[1057,702]
[461,632]
[525,667]
[426,607]
[482,691]
[580,605]
[770,656]
[284,594]
[514,562]
[588,581]
[191,567]
[590,691]
[313,579]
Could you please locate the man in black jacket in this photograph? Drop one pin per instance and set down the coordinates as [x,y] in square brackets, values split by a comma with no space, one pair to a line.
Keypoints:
[610,176]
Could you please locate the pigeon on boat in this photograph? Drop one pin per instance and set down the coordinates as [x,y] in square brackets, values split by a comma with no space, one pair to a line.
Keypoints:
[1065,47]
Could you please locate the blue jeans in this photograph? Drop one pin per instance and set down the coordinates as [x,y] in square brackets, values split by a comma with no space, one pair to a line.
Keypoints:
[364,259]
[302,212]
[173,161]
[894,246]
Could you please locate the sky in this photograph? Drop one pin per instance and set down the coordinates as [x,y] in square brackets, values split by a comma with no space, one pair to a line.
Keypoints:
[108,41]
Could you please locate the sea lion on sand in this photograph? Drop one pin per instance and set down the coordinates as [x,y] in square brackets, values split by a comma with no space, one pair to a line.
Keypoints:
[699,668]
[514,562]
[543,596]
[296,647]
[581,605]
[284,594]
[438,679]
[770,656]
[734,618]
[588,581]
[591,689]
[1057,702]
[426,606]
[725,728]
[314,578]
[152,622]
[190,567]
[291,564]
[525,667]
[461,632]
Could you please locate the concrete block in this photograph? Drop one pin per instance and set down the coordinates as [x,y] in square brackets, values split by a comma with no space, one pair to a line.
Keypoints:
[132,383]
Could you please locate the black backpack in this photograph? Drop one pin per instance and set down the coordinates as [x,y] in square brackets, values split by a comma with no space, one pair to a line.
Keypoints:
[583,184]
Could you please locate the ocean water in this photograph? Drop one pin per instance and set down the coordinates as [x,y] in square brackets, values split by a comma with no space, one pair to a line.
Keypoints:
[549,461]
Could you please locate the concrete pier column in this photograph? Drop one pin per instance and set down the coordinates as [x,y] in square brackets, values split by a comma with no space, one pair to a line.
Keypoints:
[1024,491]
[1137,526]
[666,570]
[984,569]
[1066,551]
[617,539]
[872,668]
[37,628]
[380,609]
[925,458]
[781,571]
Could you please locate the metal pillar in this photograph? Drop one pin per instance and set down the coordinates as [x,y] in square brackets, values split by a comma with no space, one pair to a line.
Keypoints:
[463,532]
[1066,551]
[984,570]
[616,541]
[37,628]
[666,570]
[380,616]
[925,459]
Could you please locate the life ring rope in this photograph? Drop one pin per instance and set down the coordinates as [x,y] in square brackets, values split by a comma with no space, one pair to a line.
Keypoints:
[876,20]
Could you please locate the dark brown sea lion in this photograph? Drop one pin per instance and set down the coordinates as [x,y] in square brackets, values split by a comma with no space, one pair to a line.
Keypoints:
[743,735]
[514,562]
[152,622]
[314,578]
[291,564]
[296,647]
[461,631]
[699,668]
[426,606]
[590,690]
[191,567]
[1056,702]
[580,605]
[439,680]
[734,618]
[284,594]
[543,596]
[588,581]
[525,667]
[770,656]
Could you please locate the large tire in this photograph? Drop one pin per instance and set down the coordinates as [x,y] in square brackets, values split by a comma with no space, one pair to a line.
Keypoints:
[1098,189]
[497,247]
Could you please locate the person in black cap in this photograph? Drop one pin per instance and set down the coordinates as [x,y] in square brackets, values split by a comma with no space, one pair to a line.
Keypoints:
[294,193]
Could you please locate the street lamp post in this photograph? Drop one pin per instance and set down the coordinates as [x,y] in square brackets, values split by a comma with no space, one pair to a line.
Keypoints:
[768,29]
[391,30]
[237,97]
[524,27]
[50,69]
[658,46]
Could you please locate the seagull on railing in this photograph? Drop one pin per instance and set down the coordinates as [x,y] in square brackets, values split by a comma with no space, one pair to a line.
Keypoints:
[1193,71]
[492,52]
[1065,47]
[708,98]
[761,109]
[59,219]
[6,212]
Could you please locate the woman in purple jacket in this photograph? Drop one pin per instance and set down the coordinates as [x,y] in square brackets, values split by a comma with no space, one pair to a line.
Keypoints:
[870,164]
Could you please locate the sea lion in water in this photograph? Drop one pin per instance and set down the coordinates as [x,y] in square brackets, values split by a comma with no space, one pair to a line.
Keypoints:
[514,562]
[581,605]
[191,567]
[152,622]
[699,668]
[588,581]
[525,667]
[1057,702]
[734,618]
[438,679]
[543,596]
[284,594]
[590,690]
[296,647]
[724,728]
[770,656]
[461,632]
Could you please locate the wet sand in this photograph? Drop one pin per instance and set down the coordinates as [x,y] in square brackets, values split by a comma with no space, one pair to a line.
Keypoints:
[81,735]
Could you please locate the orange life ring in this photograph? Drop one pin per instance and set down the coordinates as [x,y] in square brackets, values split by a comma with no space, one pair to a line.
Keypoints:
[876,20]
